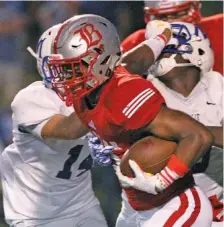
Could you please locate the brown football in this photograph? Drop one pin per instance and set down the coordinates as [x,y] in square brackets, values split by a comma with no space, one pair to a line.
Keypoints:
[151,154]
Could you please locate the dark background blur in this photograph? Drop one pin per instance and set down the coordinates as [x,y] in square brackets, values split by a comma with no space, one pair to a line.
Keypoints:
[21,24]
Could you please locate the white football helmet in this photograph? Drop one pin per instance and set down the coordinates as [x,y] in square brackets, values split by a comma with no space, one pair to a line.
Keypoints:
[44,50]
[170,10]
[194,46]
[89,49]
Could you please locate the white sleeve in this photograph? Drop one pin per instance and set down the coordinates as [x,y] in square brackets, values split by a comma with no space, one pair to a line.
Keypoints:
[36,129]
[214,81]
[218,92]
[33,107]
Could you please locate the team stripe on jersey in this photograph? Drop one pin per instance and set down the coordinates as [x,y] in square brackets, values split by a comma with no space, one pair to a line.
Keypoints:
[179,212]
[168,175]
[196,211]
[191,197]
[137,102]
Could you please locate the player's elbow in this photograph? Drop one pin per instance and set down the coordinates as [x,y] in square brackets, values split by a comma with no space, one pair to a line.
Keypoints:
[205,138]
[138,60]
[208,138]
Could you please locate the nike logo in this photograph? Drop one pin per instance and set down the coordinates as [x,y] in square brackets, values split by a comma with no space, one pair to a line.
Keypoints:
[76,46]
[210,103]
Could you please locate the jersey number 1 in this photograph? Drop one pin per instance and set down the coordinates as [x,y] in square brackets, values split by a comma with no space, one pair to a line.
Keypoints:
[74,153]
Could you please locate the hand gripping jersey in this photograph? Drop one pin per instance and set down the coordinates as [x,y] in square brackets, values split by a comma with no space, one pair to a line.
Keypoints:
[205,105]
[127,103]
[43,179]
[212,26]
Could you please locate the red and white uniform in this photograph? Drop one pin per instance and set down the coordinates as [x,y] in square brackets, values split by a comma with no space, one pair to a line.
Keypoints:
[212,26]
[204,104]
[127,103]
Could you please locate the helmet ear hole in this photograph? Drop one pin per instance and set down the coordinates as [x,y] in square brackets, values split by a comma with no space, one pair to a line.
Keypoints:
[201,52]
[98,50]
[105,60]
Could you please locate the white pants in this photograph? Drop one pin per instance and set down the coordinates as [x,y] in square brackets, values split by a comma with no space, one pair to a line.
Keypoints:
[211,181]
[190,209]
[92,217]
[217,224]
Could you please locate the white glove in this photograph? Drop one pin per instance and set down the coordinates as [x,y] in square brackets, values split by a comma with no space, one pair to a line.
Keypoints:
[156,27]
[101,154]
[143,181]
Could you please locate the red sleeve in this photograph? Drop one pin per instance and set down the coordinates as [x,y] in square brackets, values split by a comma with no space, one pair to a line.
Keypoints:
[213,27]
[135,103]
[133,40]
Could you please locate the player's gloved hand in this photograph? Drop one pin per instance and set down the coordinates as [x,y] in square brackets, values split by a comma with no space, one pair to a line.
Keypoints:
[101,154]
[92,140]
[158,28]
[143,181]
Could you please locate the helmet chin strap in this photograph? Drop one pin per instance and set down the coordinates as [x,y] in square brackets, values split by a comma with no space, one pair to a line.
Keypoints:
[165,65]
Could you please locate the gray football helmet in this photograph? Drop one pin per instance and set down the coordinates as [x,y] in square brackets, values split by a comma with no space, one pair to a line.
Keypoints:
[89,50]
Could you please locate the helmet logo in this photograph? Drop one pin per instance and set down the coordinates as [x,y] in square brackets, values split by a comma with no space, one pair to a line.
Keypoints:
[91,35]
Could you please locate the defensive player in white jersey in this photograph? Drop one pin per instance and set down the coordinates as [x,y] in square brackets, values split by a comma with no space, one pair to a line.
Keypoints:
[197,91]
[183,74]
[45,172]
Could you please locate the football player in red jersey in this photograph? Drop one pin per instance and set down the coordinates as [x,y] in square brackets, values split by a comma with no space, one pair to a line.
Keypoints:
[185,11]
[183,75]
[121,108]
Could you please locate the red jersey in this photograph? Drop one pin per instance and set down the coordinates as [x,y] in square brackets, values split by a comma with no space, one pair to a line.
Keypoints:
[212,26]
[127,102]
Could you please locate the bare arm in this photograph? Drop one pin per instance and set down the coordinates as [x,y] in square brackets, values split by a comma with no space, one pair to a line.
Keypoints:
[64,127]
[139,59]
[193,138]
[217,132]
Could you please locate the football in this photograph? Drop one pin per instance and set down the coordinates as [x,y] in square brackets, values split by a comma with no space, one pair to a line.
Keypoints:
[150,153]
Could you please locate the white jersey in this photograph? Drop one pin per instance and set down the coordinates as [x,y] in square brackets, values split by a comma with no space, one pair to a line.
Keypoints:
[205,105]
[44,179]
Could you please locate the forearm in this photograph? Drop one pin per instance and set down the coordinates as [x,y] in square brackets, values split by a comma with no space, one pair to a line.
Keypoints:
[189,150]
[64,127]
[139,59]
[197,146]
[193,138]
[217,132]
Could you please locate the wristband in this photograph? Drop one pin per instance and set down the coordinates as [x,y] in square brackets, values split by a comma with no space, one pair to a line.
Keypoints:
[156,44]
[163,37]
[177,166]
[173,171]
